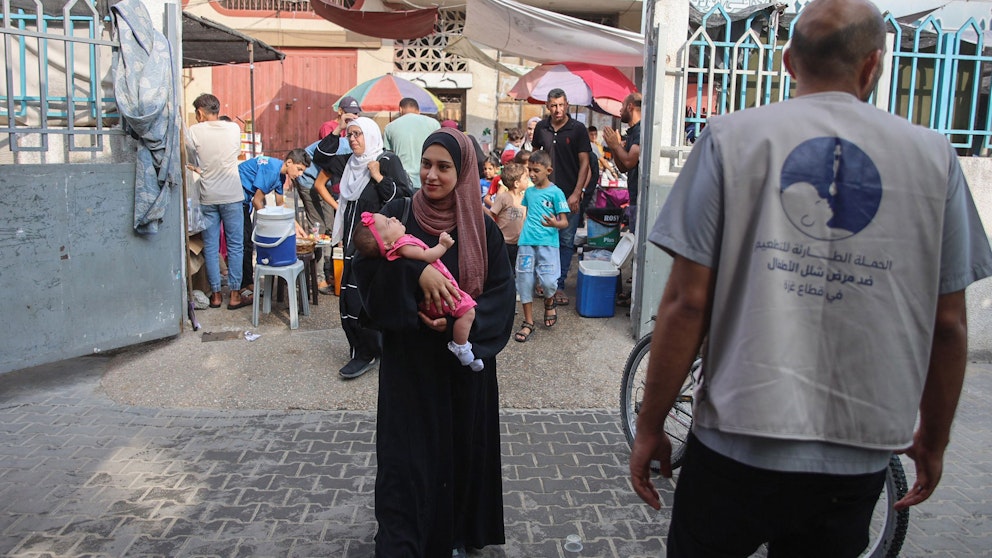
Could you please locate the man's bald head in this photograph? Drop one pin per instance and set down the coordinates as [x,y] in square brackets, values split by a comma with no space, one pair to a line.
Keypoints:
[833,37]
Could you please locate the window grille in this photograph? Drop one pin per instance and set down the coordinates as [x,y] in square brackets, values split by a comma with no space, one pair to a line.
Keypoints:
[427,54]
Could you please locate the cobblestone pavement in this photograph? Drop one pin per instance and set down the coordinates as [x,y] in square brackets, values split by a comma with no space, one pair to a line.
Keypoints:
[81,475]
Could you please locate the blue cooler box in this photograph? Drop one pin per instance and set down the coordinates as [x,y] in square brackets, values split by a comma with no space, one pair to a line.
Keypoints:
[597,289]
[597,285]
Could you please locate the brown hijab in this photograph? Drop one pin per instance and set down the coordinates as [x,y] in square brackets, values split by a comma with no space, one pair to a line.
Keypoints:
[461,210]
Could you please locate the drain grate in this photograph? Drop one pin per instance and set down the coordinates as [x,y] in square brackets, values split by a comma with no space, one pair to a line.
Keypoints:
[220,336]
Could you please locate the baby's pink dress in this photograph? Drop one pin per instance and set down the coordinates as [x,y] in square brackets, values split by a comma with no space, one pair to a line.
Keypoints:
[464,305]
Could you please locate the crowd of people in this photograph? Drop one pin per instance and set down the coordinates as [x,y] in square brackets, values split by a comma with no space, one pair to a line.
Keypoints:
[440,242]
[356,167]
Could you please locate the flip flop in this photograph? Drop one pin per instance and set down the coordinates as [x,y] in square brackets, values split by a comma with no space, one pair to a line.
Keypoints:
[550,321]
[519,336]
[561,299]
[245,301]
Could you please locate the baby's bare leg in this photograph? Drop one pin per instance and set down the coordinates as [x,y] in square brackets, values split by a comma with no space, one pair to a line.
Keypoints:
[462,327]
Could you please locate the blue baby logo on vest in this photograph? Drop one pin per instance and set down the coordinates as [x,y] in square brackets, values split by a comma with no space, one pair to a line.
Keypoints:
[831,189]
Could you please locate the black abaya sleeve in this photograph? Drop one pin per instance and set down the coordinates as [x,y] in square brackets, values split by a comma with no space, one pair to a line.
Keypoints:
[494,313]
[395,182]
[387,292]
[389,289]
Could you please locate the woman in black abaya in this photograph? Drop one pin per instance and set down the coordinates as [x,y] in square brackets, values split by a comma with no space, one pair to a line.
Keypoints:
[438,483]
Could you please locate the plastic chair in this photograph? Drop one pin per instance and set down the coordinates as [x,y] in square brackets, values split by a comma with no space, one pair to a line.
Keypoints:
[309,260]
[293,275]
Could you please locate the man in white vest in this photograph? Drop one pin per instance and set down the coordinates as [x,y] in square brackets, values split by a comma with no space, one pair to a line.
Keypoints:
[822,246]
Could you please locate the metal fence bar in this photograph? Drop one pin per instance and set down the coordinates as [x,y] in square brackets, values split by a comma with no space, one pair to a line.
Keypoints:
[932,77]
[45,107]
[92,99]
[8,65]
[975,63]
[30,108]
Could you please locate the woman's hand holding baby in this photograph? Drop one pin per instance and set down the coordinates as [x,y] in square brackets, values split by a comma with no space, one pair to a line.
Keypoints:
[438,290]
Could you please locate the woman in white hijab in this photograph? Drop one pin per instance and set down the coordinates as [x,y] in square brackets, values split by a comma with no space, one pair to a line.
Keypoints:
[372,178]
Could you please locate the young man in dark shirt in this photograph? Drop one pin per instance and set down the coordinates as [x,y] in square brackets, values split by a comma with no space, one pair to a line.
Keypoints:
[567,141]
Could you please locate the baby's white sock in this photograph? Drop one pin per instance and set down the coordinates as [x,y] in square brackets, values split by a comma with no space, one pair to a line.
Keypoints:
[465,355]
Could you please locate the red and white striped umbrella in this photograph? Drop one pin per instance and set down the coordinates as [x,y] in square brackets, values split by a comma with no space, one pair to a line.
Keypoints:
[589,85]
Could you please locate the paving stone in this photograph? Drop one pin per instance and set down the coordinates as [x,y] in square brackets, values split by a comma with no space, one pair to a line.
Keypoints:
[293,484]
[265,548]
[105,546]
[242,513]
[280,512]
[132,508]
[150,546]
[514,485]
[533,499]
[101,527]
[276,497]
[84,476]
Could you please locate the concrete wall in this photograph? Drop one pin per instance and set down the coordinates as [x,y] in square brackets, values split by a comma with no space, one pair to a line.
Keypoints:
[978,170]
[76,278]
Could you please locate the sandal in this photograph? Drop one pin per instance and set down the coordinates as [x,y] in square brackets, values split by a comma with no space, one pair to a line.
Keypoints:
[550,320]
[561,299]
[520,336]
[245,301]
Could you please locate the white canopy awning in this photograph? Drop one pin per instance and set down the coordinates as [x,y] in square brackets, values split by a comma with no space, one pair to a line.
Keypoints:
[544,36]
[467,49]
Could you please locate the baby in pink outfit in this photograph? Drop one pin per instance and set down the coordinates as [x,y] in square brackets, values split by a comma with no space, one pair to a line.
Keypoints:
[386,237]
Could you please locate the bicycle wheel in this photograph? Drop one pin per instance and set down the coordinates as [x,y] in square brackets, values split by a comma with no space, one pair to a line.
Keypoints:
[679,420]
[632,387]
[887,530]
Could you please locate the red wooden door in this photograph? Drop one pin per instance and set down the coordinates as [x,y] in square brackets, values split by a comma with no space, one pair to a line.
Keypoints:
[292,98]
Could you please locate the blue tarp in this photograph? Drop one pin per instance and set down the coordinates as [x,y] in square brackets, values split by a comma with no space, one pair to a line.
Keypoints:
[144,84]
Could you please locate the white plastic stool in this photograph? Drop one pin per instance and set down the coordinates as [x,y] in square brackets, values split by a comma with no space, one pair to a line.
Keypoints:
[293,275]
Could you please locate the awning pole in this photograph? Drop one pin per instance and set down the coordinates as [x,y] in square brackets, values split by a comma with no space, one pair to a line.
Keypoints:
[251,78]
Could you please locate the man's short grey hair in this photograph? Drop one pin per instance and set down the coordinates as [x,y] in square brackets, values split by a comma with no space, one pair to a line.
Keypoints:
[836,54]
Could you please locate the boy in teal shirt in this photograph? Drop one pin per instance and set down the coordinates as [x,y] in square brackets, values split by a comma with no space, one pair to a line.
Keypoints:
[537,256]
